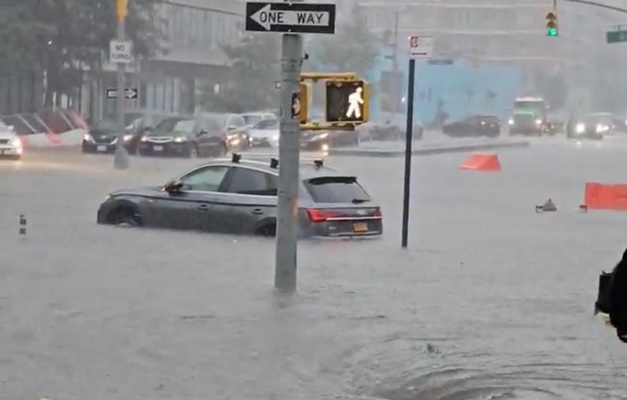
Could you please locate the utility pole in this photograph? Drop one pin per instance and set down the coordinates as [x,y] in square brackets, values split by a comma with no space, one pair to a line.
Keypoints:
[289,164]
[120,158]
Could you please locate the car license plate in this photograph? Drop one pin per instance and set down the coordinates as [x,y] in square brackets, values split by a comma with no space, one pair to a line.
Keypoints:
[157,148]
[102,148]
[360,227]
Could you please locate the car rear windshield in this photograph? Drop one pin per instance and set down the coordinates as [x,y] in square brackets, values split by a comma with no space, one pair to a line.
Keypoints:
[336,189]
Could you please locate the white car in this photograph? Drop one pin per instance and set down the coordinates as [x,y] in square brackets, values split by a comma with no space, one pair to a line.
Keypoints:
[264,133]
[252,118]
[10,143]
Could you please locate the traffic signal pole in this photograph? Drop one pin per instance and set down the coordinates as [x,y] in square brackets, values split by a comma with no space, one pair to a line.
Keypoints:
[120,158]
[289,155]
[408,150]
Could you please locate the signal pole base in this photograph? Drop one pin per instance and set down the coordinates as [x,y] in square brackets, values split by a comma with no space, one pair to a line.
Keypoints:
[120,158]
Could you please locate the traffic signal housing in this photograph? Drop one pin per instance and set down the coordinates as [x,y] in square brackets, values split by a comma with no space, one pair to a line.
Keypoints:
[347,101]
[552,27]
[300,103]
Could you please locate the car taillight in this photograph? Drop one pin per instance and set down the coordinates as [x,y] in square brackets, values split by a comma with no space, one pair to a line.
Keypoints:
[377,213]
[316,215]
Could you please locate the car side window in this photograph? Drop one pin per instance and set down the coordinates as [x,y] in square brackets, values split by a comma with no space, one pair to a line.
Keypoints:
[252,182]
[207,179]
[236,121]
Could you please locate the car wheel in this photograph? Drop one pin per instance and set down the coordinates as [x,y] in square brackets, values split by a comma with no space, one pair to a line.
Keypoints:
[125,216]
[268,230]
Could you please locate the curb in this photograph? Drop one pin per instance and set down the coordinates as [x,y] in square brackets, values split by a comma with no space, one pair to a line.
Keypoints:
[427,151]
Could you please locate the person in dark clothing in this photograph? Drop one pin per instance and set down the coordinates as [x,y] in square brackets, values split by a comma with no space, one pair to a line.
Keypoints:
[618,299]
[612,298]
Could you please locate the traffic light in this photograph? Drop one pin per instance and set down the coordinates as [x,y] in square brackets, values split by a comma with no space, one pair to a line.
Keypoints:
[121,9]
[300,103]
[551,24]
[347,101]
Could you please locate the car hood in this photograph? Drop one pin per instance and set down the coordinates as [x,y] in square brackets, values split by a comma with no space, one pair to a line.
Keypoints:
[263,133]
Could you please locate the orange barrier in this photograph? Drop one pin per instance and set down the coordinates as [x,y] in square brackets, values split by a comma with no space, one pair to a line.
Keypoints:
[482,162]
[605,197]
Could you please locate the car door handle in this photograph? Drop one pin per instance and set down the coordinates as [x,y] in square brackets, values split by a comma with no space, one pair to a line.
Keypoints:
[203,207]
[257,211]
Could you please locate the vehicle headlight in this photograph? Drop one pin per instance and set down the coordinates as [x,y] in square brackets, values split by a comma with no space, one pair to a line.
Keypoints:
[144,139]
[180,139]
[88,138]
[538,121]
[580,128]
[325,147]
[275,137]
[128,137]
[511,121]
[16,142]
[602,128]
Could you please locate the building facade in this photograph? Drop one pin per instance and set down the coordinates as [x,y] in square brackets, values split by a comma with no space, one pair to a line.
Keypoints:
[191,59]
[498,47]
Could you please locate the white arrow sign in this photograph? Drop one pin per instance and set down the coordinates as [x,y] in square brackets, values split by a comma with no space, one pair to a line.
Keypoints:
[266,17]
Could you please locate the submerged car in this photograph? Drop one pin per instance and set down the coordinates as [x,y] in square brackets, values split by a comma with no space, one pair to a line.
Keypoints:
[10,143]
[474,126]
[238,196]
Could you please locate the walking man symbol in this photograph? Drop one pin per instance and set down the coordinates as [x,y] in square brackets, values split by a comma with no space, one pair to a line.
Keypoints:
[354,100]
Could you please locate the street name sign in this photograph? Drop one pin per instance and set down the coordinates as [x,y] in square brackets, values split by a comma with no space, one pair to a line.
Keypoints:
[129,93]
[420,47]
[616,36]
[120,52]
[290,17]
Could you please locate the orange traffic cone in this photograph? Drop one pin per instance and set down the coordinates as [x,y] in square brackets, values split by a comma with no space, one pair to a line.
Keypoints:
[482,162]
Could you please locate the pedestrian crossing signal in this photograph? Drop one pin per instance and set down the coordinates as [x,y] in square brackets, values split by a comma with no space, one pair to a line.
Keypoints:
[347,101]
[551,24]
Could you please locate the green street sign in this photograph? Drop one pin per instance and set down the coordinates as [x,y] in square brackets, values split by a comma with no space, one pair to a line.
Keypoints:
[616,36]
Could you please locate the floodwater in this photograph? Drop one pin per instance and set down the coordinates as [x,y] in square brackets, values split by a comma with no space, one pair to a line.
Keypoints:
[490,301]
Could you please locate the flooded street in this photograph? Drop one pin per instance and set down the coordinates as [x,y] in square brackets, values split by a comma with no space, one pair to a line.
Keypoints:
[490,301]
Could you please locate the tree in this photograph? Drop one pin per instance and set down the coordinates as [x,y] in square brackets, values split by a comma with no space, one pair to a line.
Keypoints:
[61,37]
[255,67]
[353,48]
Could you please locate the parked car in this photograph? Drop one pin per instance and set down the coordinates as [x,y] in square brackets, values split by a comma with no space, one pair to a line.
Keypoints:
[239,196]
[473,126]
[265,133]
[324,140]
[10,143]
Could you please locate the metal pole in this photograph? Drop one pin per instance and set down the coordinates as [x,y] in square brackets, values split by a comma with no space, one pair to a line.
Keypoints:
[289,162]
[120,158]
[408,150]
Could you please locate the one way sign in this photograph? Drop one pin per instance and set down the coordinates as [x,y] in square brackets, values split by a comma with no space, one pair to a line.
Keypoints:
[129,93]
[290,17]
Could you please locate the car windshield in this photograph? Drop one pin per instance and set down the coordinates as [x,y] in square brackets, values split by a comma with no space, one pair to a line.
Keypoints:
[334,189]
[251,119]
[529,104]
[267,124]
[598,119]
[171,125]
[106,125]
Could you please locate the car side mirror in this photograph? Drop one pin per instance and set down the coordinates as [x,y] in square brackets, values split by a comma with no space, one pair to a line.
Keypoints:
[231,128]
[202,132]
[173,187]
